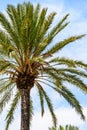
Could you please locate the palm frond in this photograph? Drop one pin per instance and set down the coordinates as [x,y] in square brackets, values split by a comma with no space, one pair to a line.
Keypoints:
[31,109]
[73,71]
[41,98]
[61,127]
[7,65]
[33,29]
[5,99]
[40,22]
[68,62]
[5,44]
[58,46]
[49,37]
[8,28]
[5,86]
[55,30]
[50,106]
[71,78]
[9,117]
[68,96]
[76,81]
[26,30]
[71,99]
[14,18]
[46,25]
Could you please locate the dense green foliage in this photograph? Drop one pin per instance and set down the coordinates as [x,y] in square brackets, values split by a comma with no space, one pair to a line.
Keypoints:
[29,58]
[67,127]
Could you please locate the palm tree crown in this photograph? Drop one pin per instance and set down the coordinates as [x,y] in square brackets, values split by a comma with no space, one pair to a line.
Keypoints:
[27,58]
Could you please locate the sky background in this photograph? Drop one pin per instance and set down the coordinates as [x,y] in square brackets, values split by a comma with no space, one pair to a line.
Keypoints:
[76,50]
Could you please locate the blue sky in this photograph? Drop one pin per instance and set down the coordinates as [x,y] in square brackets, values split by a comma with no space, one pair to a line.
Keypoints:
[77,50]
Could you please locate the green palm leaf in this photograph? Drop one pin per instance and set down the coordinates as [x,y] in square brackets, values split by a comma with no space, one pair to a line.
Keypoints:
[27,59]
[50,106]
[10,113]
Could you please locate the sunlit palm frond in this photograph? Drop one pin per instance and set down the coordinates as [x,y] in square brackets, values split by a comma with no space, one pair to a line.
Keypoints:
[41,98]
[71,99]
[50,106]
[49,37]
[58,46]
[64,76]
[10,113]
[5,98]
[68,62]
[27,58]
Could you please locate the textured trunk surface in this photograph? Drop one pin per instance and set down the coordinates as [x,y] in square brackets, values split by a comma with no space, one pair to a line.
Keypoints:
[25,109]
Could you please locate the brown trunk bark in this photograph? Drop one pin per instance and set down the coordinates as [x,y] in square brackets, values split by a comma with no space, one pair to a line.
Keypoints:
[25,109]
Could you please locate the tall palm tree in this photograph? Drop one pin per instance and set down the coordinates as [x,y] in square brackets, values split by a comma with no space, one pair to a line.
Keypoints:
[27,59]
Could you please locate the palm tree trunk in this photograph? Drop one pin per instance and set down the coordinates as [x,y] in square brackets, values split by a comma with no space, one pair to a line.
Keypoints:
[25,109]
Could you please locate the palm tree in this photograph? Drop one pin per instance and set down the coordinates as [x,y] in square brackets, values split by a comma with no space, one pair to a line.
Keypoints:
[27,59]
[67,127]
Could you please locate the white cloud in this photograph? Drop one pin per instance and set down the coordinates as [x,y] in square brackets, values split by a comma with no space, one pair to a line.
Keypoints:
[69,116]
[65,116]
